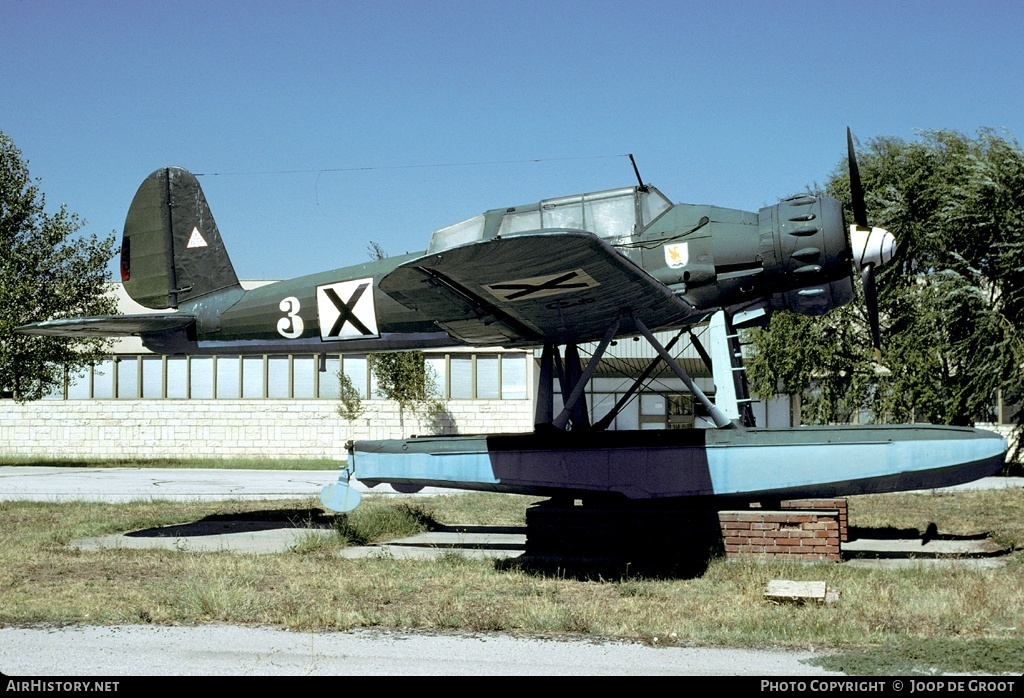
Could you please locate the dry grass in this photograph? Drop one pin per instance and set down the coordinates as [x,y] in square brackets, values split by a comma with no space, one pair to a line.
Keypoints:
[998,512]
[42,581]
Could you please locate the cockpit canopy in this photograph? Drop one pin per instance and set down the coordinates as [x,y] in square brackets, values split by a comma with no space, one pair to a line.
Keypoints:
[611,214]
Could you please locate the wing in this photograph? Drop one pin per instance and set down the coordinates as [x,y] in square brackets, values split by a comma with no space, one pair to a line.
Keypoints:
[107,326]
[521,290]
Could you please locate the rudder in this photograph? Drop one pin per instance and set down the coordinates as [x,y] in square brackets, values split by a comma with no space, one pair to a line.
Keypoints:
[172,252]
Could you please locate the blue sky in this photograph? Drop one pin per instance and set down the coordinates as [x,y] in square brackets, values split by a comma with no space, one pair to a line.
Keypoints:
[350,121]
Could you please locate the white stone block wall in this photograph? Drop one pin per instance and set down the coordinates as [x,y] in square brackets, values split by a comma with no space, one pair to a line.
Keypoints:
[230,428]
[1008,432]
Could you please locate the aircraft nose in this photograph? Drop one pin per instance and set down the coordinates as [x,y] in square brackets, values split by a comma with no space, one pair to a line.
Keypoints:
[875,246]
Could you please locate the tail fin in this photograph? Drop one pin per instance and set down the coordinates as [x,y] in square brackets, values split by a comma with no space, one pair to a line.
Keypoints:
[172,252]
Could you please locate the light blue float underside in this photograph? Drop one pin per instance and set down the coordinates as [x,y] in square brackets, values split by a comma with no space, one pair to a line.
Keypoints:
[837,460]
[443,467]
[739,469]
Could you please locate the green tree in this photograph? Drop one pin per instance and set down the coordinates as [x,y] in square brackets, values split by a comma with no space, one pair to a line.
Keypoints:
[46,272]
[951,302]
[402,376]
[405,377]
[350,406]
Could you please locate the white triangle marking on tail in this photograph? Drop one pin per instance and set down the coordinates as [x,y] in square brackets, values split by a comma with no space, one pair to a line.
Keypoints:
[197,239]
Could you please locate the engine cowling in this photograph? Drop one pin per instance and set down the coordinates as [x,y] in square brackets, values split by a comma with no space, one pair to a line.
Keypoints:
[793,256]
[808,263]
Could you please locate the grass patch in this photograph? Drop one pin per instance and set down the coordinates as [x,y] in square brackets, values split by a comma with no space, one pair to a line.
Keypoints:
[381,521]
[940,618]
[997,512]
[215,463]
[930,657]
[480,508]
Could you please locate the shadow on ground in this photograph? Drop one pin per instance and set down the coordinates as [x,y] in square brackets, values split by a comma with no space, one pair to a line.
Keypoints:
[248,522]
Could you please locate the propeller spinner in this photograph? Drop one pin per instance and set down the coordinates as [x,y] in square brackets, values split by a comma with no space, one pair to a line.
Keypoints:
[872,247]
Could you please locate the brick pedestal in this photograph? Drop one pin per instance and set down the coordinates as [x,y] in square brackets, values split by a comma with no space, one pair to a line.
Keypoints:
[838,504]
[668,536]
[802,535]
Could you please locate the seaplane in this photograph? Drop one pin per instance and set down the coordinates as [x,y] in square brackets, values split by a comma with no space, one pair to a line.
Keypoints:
[553,275]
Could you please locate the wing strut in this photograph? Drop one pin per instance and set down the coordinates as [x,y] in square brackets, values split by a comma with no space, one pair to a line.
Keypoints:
[545,388]
[567,372]
[577,391]
[574,374]
[603,423]
[719,418]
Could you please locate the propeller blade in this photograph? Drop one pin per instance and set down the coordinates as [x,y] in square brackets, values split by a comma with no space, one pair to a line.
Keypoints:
[867,276]
[871,246]
[860,209]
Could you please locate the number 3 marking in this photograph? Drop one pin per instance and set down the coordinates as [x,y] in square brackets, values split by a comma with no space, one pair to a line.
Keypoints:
[290,326]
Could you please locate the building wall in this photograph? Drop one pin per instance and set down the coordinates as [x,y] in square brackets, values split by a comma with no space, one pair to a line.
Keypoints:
[230,428]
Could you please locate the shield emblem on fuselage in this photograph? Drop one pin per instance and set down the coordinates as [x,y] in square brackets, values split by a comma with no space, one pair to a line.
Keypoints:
[677,254]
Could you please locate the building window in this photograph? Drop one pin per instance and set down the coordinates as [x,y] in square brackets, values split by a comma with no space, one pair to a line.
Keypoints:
[437,364]
[355,368]
[152,377]
[228,376]
[513,377]
[488,380]
[80,385]
[279,380]
[329,380]
[103,380]
[253,378]
[176,368]
[201,372]
[460,386]
[304,376]
[460,376]
[127,371]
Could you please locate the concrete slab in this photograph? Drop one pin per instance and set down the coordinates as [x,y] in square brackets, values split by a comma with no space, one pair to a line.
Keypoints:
[979,552]
[455,539]
[985,483]
[270,537]
[264,542]
[494,542]
[917,547]
[789,589]
[983,563]
[119,485]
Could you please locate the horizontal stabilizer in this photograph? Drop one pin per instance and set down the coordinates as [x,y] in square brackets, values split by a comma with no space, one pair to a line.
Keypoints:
[107,325]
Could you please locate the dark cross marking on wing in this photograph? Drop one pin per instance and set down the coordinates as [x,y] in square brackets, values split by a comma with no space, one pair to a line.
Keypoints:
[523,289]
[345,311]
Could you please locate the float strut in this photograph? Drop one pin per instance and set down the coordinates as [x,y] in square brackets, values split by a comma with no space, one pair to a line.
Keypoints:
[603,423]
[717,416]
